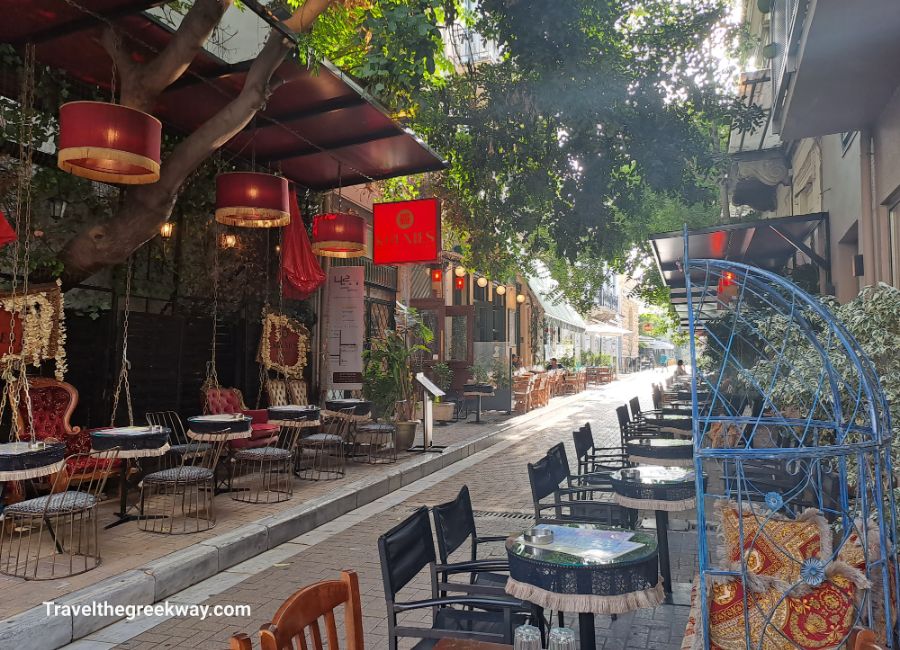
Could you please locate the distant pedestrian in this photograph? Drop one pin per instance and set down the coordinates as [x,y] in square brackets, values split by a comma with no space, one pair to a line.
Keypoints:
[663,362]
[679,369]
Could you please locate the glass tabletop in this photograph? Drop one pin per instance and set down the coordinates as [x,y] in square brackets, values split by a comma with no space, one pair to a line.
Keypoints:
[23,447]
[130,431]
[653,475]
[584,545]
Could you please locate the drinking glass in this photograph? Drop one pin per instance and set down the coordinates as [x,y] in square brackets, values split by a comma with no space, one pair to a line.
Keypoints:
[528,637]
[561,638]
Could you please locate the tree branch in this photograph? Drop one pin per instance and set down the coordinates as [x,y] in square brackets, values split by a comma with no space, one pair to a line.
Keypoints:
[142,84]
[195,29]
[147,207]
[228,122]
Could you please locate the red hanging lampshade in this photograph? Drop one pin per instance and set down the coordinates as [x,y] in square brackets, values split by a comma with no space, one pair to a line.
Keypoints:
[339,234]
[252,200]
[109,143]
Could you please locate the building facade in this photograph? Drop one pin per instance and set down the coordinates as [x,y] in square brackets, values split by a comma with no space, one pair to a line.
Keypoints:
[826,76]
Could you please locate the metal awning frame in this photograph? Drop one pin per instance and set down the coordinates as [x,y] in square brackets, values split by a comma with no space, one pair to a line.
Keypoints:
[743,235]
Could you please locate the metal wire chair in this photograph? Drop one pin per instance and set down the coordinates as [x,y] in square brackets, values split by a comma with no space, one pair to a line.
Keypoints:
[265,474]
[179,499]
[57,535]
[795,418]
[322,455]
[179,444]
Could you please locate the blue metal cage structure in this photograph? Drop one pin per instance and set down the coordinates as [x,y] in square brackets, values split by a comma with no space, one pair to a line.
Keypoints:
[792,434]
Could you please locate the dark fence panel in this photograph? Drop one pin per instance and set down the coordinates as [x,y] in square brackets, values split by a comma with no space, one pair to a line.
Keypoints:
[169,357]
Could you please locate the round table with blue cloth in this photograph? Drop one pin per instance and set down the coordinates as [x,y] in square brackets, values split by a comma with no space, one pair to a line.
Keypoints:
[663,490]
[26,460]
[586,569]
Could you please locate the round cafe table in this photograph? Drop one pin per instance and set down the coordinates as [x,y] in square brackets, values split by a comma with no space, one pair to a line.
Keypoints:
[223,427]
[297,415]
[663,490]
[26,460]
[131,443]
[585,569]
[661,451]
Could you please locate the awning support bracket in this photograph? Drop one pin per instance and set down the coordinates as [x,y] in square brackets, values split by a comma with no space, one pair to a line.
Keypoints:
[820,261]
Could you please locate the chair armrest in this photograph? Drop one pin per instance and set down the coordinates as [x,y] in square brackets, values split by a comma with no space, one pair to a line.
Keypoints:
[474,566]
[580,490]
[480,603]
[492,538]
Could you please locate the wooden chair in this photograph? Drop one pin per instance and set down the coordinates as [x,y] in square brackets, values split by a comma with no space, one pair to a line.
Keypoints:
[863,639]
[297,621]
[523,388]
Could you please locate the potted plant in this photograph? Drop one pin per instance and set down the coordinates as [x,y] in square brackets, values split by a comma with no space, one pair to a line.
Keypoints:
[501,400]
[388,374]
[481,380]
[443,378]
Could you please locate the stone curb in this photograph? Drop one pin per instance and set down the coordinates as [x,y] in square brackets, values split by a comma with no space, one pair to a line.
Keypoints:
[165,576]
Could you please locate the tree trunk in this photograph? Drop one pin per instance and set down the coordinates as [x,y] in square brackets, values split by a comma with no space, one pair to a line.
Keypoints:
[146,207]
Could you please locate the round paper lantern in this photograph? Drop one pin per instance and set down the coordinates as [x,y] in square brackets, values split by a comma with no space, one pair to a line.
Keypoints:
[252,200]
[501,289]
[460,271]
[520,298]
[482,282]
[109,143]
[339,234]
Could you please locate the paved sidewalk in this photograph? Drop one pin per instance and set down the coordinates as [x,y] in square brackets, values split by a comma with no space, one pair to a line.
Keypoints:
[126,547]
[497,479]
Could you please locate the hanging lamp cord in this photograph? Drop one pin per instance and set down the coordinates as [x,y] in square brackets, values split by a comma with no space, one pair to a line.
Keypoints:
[212,375]
[122,383]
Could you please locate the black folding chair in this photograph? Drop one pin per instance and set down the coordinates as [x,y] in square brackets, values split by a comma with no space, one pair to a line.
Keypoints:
[454,523]
[591,458]
[405,551]
[633,431]
[552,489]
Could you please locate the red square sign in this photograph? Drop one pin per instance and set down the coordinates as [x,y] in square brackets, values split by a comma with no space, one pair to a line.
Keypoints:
[407,231]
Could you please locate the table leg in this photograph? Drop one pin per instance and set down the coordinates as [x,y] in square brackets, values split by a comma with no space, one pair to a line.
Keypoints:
[123,489]
[478,411]
[122,516]
[662,538]
[586,632]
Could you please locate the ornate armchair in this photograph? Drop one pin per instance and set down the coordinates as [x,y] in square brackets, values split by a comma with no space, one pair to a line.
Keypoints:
[52,405]
[286,391]
[230,400]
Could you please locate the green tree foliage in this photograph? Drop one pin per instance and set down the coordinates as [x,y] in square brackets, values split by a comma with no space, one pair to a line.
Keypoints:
[601,123]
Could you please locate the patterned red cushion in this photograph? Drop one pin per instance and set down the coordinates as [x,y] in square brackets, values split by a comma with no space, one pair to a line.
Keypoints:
[821,619]
[48,409]
[88,465]
[223,400]
[775,546]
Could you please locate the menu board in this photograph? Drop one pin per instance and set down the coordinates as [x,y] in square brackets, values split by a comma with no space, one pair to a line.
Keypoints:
[345,327]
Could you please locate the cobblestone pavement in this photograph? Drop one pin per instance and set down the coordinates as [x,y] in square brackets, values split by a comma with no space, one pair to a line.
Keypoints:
[497,479]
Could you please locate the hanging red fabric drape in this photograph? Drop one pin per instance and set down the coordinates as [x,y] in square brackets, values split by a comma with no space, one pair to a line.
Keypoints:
[301,274]
[7,234]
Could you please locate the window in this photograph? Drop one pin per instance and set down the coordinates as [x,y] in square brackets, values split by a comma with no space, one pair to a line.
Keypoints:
[847,140]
